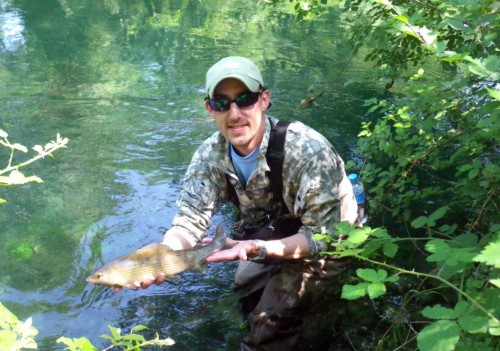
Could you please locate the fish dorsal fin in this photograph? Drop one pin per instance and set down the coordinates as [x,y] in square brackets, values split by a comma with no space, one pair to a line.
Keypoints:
[219,232]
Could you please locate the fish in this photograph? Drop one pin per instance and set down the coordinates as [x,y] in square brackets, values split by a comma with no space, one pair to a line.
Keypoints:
[153,259]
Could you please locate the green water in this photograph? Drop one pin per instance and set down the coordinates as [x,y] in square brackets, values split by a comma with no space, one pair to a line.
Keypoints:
[124,81]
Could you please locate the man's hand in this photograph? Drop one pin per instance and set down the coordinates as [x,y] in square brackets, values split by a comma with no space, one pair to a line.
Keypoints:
[145,284]
[239,250]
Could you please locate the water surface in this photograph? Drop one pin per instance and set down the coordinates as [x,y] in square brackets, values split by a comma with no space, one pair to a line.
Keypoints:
[124,81]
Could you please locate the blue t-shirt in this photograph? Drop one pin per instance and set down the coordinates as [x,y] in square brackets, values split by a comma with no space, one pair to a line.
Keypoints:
[244,166]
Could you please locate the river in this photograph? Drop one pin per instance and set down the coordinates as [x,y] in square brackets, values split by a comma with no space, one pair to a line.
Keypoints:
[124,81]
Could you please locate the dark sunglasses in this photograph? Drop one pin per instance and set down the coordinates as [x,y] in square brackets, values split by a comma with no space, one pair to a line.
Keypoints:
[243,101]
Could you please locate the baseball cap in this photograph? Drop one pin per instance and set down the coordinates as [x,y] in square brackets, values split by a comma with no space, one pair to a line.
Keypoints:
[236,67]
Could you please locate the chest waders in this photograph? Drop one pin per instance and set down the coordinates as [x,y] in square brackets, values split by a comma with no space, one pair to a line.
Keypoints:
[276,295]
[269,225]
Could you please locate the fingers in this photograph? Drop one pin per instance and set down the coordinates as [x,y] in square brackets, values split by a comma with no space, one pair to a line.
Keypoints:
[160,278]
[239,251]
[143,285]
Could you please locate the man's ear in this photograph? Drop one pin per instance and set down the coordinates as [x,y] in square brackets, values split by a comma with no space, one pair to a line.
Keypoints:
[209,109]
[266,99]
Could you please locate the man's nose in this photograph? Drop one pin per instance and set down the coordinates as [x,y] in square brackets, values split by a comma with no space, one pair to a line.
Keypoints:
[234,110]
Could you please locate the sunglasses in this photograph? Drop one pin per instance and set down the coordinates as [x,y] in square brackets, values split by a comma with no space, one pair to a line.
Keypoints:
[245,100]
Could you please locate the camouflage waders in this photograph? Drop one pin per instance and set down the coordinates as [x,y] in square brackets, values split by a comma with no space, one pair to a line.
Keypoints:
[276,297]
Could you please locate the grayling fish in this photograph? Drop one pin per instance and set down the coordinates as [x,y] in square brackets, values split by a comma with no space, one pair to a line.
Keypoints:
[153,259]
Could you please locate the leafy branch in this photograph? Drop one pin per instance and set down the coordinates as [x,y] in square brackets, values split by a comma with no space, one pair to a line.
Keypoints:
[472,314]
[15,177]
[127,342]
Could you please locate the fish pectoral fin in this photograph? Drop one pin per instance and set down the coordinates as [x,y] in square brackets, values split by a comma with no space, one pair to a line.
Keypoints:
[200,267]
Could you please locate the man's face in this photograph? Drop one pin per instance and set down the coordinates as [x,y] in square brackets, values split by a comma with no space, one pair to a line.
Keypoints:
[242,127]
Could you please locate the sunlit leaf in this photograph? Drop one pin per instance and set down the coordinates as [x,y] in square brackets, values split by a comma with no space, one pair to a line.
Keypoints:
[3,134]
[441,335]
[401,18]
[494,93]
[439,312]
[368,275]
[358,236]
[17,178]
[38,148]
[494,327]
[495,282]
[375,290]
[19,147]
[77,344]
[473,324]
[352,292]
[490,254]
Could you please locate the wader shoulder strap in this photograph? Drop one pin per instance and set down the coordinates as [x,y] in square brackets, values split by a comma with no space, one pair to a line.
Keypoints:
[274,155]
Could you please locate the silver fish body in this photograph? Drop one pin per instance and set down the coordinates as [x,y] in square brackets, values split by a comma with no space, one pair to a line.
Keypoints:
[154,259]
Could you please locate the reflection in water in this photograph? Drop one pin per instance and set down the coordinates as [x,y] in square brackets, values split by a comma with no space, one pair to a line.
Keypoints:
[124,81]
[11,28]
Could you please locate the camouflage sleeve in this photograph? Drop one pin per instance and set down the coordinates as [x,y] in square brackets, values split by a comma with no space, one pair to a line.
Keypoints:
[198,198]
[317,191]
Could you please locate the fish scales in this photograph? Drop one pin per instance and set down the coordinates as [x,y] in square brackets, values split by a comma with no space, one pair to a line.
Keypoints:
[153,259]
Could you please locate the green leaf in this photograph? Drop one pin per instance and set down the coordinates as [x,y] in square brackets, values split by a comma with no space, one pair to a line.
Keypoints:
[15,334]
[439,312]
[379,233]
[494,93]
[450,56]
[19,147]
[352,292]
[343,227]
[490,254]
[401,18]
[494,327]
[439,249]
[17,178]
[439,213]
[495,282]
[375,290]
[390,249]
[358,236]
[473,324]
[439,336]
[369,275]
[115,333]
[80,344]
[419,222]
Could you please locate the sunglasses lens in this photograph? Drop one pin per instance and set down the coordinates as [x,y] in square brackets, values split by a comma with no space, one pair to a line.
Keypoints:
[220,105]
[247,100]
[242,101]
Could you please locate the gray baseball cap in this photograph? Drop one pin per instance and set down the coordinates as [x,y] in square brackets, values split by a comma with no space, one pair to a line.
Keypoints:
[236,67]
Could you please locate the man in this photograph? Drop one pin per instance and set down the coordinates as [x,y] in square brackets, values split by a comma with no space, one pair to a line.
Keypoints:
[231,165]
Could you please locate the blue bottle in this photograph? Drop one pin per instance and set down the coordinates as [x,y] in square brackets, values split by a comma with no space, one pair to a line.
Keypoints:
[359,193]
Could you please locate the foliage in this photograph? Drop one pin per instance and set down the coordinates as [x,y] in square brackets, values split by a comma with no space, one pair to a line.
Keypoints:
[15,334]
[127,342]
[476,309]
[431,164]
[15,177]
